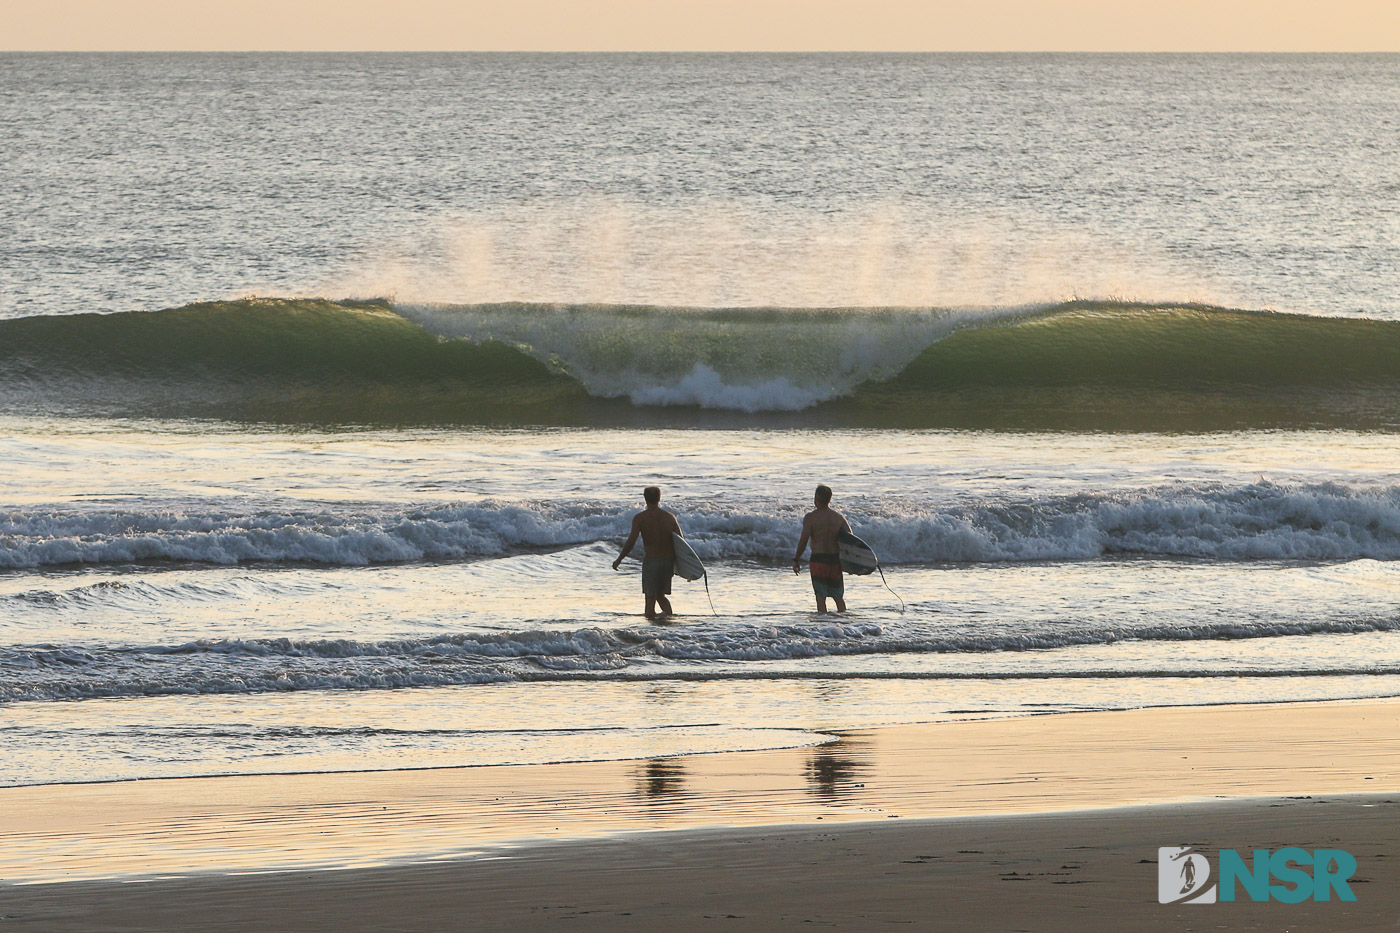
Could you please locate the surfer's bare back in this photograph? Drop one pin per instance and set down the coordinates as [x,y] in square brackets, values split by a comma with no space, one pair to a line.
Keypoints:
[821,526]
[655,525]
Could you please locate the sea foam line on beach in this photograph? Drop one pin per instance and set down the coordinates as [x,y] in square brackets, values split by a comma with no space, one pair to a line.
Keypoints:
[592,654]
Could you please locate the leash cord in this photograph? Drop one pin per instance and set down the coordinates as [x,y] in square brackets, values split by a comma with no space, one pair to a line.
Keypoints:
[890,588]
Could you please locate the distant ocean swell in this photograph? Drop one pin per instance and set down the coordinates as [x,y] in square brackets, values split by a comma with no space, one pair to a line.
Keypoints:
[1078,365]
[253,666]
[1257,521]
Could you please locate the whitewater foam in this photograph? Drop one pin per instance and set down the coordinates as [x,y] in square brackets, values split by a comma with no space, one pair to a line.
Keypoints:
[721,651]
[1257,521]
[350,537]
[743,359]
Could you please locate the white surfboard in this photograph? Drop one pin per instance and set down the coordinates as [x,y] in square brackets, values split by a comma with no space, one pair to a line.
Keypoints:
[688,565]
[857,557]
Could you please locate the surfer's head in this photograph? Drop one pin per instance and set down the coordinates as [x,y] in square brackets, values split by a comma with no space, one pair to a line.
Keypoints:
[823,495]
[652,494]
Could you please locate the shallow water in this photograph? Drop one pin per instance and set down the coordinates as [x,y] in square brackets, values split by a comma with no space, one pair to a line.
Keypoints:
[234,601]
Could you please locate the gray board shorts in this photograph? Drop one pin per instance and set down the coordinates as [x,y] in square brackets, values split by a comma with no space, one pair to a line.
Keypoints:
[656,575]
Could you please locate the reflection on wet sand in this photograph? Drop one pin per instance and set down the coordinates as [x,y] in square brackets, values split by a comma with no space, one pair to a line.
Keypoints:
[833,770]
[659,778]
[1029,765]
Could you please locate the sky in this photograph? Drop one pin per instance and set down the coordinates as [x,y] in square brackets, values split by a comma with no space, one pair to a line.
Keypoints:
[702,25]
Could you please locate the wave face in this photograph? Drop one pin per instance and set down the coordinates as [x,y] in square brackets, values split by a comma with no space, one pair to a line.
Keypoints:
[1261,521]
[1075,366]
[282,361]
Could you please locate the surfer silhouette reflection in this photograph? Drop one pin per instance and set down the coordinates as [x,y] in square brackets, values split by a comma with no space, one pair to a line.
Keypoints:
[660,778]
[821,527]
[655,525]
[833,769]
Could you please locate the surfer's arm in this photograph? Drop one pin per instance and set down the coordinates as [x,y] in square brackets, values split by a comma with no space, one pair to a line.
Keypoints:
[627,548]
[801,546]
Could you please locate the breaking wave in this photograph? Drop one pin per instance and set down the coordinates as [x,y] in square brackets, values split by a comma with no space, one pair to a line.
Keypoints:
[1077,365]
[1258,521]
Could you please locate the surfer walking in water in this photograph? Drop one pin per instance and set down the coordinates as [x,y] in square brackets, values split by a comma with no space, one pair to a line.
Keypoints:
[655,525]
[820,527]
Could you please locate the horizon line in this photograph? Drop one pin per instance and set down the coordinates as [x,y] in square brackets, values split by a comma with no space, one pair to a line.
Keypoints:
[526,51]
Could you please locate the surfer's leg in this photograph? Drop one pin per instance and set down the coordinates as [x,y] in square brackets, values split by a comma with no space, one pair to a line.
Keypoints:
[836,589]
[665,605]
[827,582]
[651,606]
[822,589]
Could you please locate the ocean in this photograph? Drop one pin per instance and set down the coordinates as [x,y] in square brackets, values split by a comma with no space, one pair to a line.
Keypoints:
[329,385]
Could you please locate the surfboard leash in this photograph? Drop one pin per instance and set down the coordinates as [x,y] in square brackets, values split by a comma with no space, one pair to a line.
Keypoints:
[890,588]
[706,577]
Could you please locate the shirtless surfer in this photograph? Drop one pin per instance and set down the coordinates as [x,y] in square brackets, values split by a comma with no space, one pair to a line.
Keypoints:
[655,525]
[821,526]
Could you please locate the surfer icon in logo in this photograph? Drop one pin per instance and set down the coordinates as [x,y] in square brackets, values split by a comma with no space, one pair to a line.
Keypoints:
[1188,876]
[821,527]
[1182,876]
[655,525]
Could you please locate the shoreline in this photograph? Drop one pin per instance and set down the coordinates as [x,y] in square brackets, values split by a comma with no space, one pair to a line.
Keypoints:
[833,735]
[1038,764]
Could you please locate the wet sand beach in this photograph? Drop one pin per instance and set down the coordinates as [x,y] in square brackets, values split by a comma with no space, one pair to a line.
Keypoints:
[1048,822]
